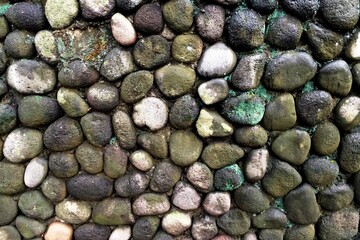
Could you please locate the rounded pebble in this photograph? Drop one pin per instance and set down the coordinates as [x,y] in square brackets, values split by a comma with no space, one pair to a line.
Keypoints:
[61,13]
[150,112]
[35,172]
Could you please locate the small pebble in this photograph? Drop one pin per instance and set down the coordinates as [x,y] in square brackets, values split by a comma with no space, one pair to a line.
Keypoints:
[131,184]
[307,232]
[302,8]
[63,164]
[9,233]
[326,139]
[347,113]
[320,171]
[19,44]
[4,27]
[221,154]
[151,204]
[128,5]
[155,144]
[29,202]
[71,101]
[8,209]
[103,96]
[180,140]
[235,222]
[77,74]
[59,231]
[228,178]
[186,48]
[165,176]
[124,129]
[217,203]
[35,172]
[251,136]
[97,128]
[251,199]
[176,222]
[136,85]
[150,112]
[54,189]
[13,178]
[8,118]
[349,158]
[90,158]
[270,218]
[91,231]
[335,197]
[45,44]
[263,7]
[256,164]
[26,15]
[213,91]
[61,13]
[204,227]
[145,227]
[29,228]
[113,211]
[184,112]
[115,160]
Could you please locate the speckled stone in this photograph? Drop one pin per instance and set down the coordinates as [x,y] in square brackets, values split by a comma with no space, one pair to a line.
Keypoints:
[217,203]
[180,140]
[136,85]
[150,112]
[176,222]
[213,91]
[61,13]
[150,204]
[200,176]
[175,8]
[73,211]
[221,154]
[228,178]
[210,22]
[211,124]
[12,176]
[235,222]
[117,64]
[186,48]
[149,19]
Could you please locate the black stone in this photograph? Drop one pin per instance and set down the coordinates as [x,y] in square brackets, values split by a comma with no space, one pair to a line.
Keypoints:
[304,9]
[27,15]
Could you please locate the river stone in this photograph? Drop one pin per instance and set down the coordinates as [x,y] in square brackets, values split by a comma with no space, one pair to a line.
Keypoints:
[251,136]
[270,218]
[71,101]
[115,160]
[292,146]
[150,112]
[305,232]
[145,227]
[210,22]
[204,227]
[175,8]
[31,76]
[26,15]
[57,229]
[280,179]
[38,110]
[19,44]
[271,234]
[221,154]
[29,228]
[90,187]
[90,158]
[325,139]
[347,113]
[35,172]
[335,77]
[161,235]
[35,205]
[228,178]
[211,66]
[352,50]
[289,71]
[136,85]
[132,184]
[113,211]
[180,140]
[8,118]
[335,197]
[184,112]
[97,128]
[63,164]
[251,199]
[142,160]
[245,29]
[61,13]
[91,231]
[213,91]
[154,143]
[121,233]
[54,189]
[217,203]
[166,175]
[91,9]
[175,79]
[152,52]
[149,19]
[253,65]
[63,134]
[186,48]
[128,5]
[284,32]
[246,109]
[303,9]
[124,129]
[77,74]
[341,15]
[150,204]
[175,222]
[200,176]
[46,47]
[295,201]
[103,96]
[211,124]
[263,7]
[235,222]
[117,63]
[256,164]
[185,196]
[8,209]
[9,233]
[349,158]
[73,211]
[280,113]
[320,171]
[11,178]
[326,44]
[339,225]
[23,144]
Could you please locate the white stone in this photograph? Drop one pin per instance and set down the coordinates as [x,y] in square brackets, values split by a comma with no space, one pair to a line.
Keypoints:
[350,109]
[142,160]
[176,222]
[45,45]
[61,13]
[353,49]
[213,91]
[217,203]
[123,30]
[35,172]
[73,211]
[185,196]
[59,231]
[121,233]
[255,167]
[150,112]
[217,61]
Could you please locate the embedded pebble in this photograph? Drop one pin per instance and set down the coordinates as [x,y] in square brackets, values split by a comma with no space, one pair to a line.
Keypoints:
[270,218]
[204,227]
[63,165]
[8,118]
[35,172]
[131,184]
[220,154]
[347,113]
[121,233]
[200,176]
[180,140]
[149,19]
[145,227]
[151,204]
[92,231]
[335,197]
[115,160]
[26,15]
[349,158]
[320,171]
[113,211]
[251,199]
[256,164]
[211,124]
[54,189]
[175,8]
[90,158]
[97,128]
[45,45]
[184,112]
[251,136]
[8,209]
[19,44]
[186,48]
[29,201]
[12,180]
[124,129]
[228,178]
[326,139]
[28,227]
[77,74]
[136,85]
[103,96]
[73,104]
[235,222]
[141,160]
[150,112]
[166,175]
[154,143]
[9,233]
[302,8]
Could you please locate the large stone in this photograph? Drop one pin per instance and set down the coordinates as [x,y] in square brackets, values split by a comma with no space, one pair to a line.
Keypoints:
[150,112]
[220,154]
[8,209]
[73,211]
[11,178]
[235,222]
[175,8]
[34,204]
[61,13]
[26,15]
[116,64]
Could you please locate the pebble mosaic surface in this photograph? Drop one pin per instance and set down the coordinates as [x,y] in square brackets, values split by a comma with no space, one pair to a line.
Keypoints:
[179,119]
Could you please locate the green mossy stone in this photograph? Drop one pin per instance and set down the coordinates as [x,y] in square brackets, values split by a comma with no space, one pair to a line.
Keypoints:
[251,199]
[8,209]
[90,158]
[155,144]
[145,227]
[304,232]
[320,171]
[136,85]
[228,178]
[8,118]
[335,197]
[54,189]
[9,233]
[184,112]
[235,222]
[166,175]
[175,8]
[251,136]
[349,158]
[113,211]
[35,205]
[326,139]
[220,154]
[61,13]
[29,227]
[211,124]
[97,128]
[270,218]
[71,101]
[187,48]
[11,178]
[73,211]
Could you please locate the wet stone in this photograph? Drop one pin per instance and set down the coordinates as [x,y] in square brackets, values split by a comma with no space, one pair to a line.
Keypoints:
[35,205]
[289,71]
[63,134]
[8,209]
[90,187]
[155,144]
[8,118]
[263,6]
[200,176]
[61,13]
[220,154]
[355,72]
[352,50]
[103,96]
[306,232]
[150,112]
[325,139]
[38,110]
[166,175]
[186,48]
[124,129]
[149,19]
[245,29]
[90,158]
[97,128]
[335,77]
[176,222]
[184,112]
[285,32]
[45,45]
[210,22]
[303,9]
[113,211]
[63,165]
[136,85]
[204,227]
[180,140]
[251,136]
[77,74]
[132,184]
[251,199]
[349,159]
[28,227]
[73,211]
[217,203]
[91,231]
[91,9]
[117,64]
[335,197]
[347,113]
[228,178]
[253,65]
[270,218]
[320,171]
[72,102]
[19,44]
[26,15]
[235,222]
[213,91]
[211,124]
[115,160]
[211,66]
[175,8]
[326,44]
[256,164]
[150,204]
[54,189]
[145,227]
